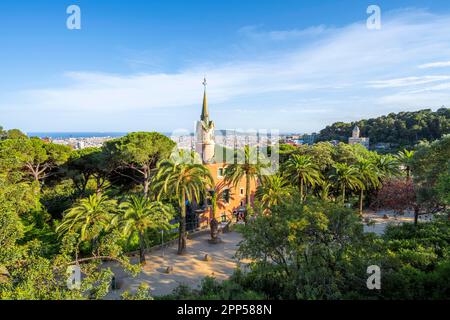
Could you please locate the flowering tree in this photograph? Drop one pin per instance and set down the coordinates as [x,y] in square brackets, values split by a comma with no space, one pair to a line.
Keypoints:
[398,195]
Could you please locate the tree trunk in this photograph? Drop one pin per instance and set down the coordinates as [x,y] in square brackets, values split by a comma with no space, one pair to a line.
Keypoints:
[94,245]
[416,215]
[343,194]
[146,187]
[247,196]
[213,208]
[77,249]
[142,249]
[99,185]
[361,199]
[182,228]
[301,190]
[34,171]
[81,187]
[36,177]
[146,184]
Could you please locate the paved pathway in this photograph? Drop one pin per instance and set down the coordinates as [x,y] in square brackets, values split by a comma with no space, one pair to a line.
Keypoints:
[189,269]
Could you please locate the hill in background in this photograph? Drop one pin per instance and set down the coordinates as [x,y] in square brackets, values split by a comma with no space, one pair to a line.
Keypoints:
[404,129]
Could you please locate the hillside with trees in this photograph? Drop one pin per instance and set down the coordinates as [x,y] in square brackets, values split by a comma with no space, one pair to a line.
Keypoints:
[403,130]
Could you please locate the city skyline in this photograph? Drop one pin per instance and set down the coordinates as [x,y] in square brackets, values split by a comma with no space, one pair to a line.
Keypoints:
[295,68]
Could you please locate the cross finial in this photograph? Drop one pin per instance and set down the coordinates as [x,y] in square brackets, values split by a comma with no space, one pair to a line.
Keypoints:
[205,83]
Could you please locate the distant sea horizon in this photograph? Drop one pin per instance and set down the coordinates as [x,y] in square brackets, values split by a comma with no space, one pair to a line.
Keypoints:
[67,135]
[82,134]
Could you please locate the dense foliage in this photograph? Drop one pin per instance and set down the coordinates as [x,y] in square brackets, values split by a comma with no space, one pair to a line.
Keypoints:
[404,129]
[60,208]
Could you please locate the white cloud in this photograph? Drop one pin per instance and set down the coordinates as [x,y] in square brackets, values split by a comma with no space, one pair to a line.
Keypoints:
[440,64]
[408,81]
[330,67]
[413,101]
[256,33]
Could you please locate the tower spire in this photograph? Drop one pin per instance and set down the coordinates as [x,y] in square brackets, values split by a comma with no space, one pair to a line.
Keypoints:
[205,145]
[205,114]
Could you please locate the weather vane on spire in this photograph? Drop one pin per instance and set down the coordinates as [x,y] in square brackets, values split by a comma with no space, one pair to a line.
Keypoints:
[205,83]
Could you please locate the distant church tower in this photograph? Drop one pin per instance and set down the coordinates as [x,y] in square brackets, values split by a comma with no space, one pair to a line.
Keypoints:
[356,132]
[357,139]
[205,144]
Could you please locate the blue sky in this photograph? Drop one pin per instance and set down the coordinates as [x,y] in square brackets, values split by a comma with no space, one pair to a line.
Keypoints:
[286,65]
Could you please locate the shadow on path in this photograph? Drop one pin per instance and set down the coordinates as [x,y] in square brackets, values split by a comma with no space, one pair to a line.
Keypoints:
[189,269]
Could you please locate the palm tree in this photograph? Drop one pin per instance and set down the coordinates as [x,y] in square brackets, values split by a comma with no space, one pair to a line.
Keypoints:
[273,191]
[324,191]
[88,218]
[405,157]
[368,175]
[345,177]
[250,166]
[140,214]
[302,170]
[216,197]
[386,165]
[185,179]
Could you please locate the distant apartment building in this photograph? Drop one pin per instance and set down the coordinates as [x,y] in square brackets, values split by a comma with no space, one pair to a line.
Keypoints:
[357,139]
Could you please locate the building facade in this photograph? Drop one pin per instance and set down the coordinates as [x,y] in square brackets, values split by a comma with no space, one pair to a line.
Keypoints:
[231,199]
[357,139]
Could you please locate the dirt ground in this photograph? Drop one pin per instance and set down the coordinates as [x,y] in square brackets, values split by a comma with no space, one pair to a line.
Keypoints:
[188,269]
[382,219]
